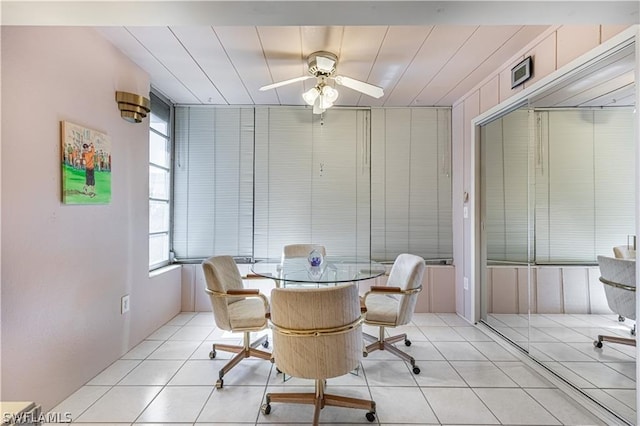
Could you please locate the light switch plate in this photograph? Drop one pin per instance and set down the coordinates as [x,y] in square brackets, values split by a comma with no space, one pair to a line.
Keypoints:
[124,304]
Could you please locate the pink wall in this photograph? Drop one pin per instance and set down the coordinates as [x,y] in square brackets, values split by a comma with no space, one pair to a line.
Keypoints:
[65,267]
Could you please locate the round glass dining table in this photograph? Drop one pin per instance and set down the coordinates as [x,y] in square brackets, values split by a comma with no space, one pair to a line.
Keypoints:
[332,270]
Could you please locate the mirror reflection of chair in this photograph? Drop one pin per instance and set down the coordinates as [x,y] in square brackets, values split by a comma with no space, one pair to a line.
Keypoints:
[235,309]
[619,279]
[317,334]
[624,252]
[393,305]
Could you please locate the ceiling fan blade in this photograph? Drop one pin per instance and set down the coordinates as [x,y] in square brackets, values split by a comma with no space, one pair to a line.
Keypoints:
[285,82]
[360,86]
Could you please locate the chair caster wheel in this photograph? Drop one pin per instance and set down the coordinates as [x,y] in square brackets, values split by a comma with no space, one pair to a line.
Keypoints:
[266,409]
[219,384]
[620,318]
[365,354]
[416,370]
[212,354]
[371,416]
[597,344]
[265,344]
[407,342]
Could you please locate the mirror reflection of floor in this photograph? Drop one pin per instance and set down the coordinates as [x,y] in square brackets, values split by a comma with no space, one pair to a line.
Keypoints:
[564,343]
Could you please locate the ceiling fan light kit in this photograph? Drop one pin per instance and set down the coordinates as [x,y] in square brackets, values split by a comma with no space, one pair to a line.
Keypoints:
[322,65]
[320,97]
[311,95]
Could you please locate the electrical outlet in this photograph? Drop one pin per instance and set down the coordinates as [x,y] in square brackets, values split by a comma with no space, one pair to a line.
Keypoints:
[124,304]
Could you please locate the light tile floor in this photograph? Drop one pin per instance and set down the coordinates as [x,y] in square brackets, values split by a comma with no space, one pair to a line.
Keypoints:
[467,378]
[564,344]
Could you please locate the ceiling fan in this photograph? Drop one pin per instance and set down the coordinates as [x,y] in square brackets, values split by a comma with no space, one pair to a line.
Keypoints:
[322,65]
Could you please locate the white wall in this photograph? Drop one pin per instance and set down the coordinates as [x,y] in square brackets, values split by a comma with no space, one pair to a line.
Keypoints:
[552,50]
[65,267]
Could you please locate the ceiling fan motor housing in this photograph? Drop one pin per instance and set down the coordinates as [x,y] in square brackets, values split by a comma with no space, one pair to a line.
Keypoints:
[322,63]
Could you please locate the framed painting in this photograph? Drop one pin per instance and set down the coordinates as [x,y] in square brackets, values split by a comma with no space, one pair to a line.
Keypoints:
[86,165]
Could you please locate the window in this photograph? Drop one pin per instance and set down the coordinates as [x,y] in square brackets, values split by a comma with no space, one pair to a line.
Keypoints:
[213,182]
[585,184]
[159,182]
[411,183]
[312,180]
[361,182]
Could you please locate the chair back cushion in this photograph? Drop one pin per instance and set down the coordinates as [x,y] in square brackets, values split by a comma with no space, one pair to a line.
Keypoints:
[624,252]
[221,274]
[620,271]
[305,310]
[301,250]
[407,272]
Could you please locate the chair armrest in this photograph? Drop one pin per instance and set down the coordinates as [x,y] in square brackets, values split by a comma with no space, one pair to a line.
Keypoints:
[385,289]
[252,277]
[256,277]
[389,290]
[242,292]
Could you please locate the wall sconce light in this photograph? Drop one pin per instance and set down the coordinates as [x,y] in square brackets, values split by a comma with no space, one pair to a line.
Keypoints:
[133,108]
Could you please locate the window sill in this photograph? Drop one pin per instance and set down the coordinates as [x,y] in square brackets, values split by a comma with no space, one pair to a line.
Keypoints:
[163,270]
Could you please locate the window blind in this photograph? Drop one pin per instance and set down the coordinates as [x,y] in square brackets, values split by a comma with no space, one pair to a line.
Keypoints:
[312,180]
[506,158]
[411,183]
[250,180]
[571,172]
[213,186]
[587,195]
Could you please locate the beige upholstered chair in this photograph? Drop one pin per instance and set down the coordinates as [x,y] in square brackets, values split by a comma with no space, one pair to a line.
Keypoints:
[624,252]
[317,334]
[619,279]
[291,251]
[301,250]
[393,305]
[235,309]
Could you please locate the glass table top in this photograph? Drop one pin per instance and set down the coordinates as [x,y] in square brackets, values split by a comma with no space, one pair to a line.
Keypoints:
[332,270]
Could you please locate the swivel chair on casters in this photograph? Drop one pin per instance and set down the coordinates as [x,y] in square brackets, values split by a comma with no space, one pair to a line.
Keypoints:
[235,309]
[619,279]
[393,305]
[317,334]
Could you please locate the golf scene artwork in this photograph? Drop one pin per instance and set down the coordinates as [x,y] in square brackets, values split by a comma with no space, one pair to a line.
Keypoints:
[86,165]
